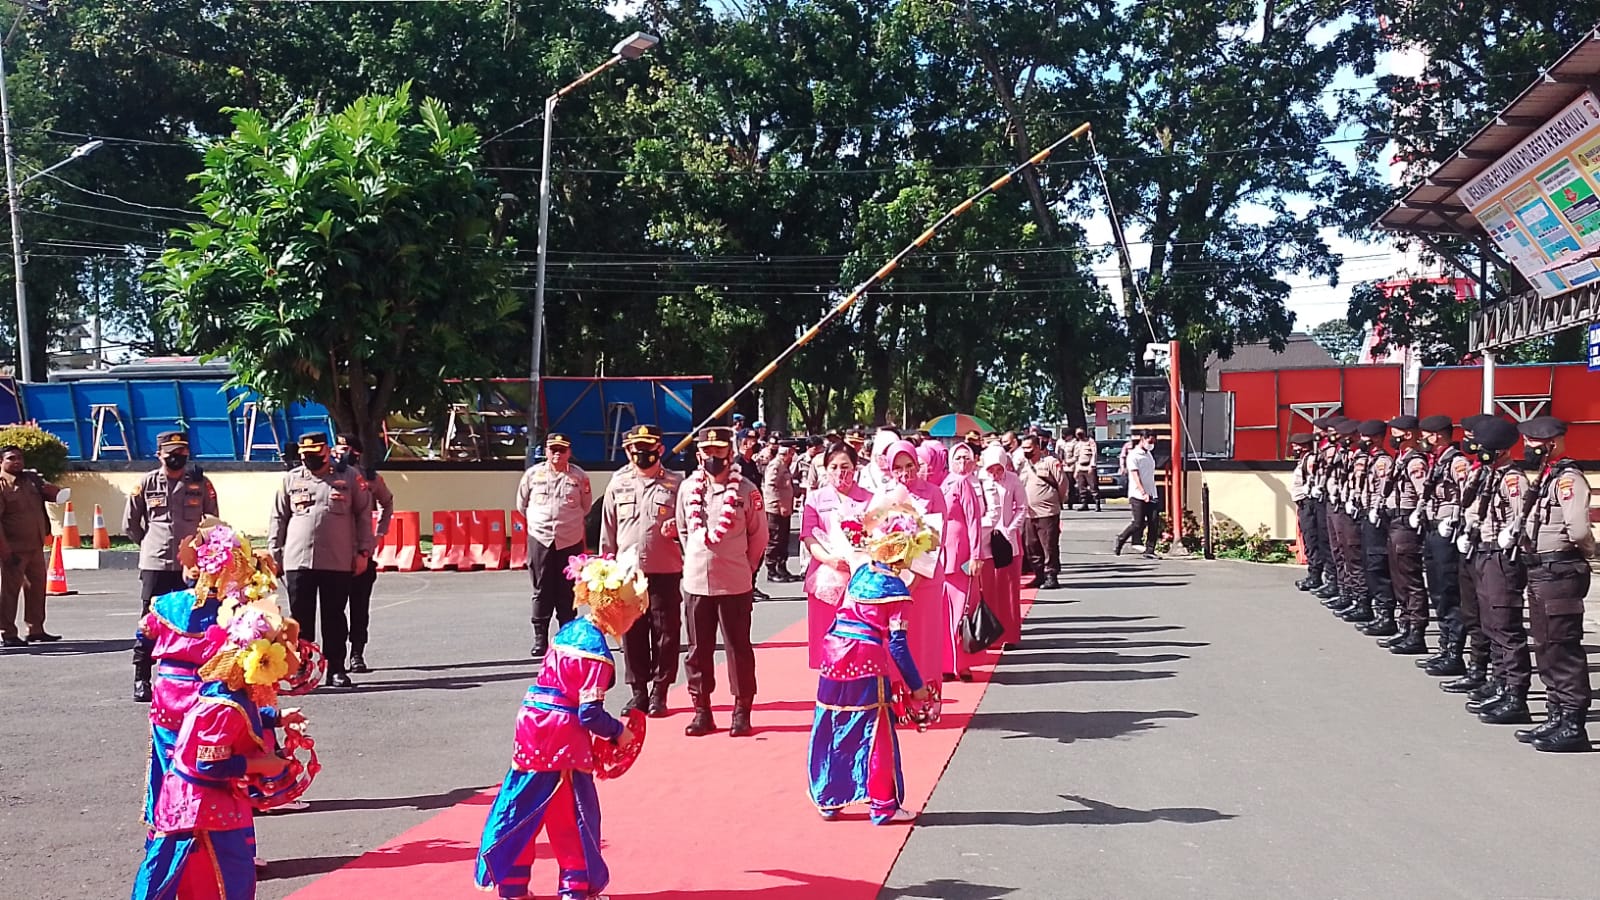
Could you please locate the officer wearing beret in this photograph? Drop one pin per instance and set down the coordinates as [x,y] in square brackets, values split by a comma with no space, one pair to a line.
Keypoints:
[1354,603]
[1557,546]
[723,524]
[320,533]
[1501,578]
[1438,519]
[166,507]
[555,496]
[1375,468]
[347,450]
[1476,487]
[639,512]
[1300,446]
[1322,471]
[1399,509]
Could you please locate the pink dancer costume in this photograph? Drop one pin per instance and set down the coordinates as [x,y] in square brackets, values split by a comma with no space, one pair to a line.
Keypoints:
[824,509]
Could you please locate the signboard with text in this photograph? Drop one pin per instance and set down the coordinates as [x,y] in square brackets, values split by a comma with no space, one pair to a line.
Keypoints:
[1540,202]
[1594,347]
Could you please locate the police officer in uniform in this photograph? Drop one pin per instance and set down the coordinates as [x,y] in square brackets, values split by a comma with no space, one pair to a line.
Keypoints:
[347,450]
[1441,511]
[1327,449]
[1501,578]
[777,494]
[1374,478]
[1476,487]
[1354,602]
[1400,509]
[24,529]
[640,513]
[320,533]
[1557,546]
[1300,445]
[723,524]
[554,495]
[166,507]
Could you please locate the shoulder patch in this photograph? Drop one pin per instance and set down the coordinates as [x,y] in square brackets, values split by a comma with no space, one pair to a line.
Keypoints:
[1513,485]
[755,500]
[1417,466]
[1566,487]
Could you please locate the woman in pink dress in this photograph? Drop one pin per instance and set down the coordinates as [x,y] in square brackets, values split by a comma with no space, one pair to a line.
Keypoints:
[929,619]
[1004,510]
[932,458]
[838,499]
[965,548]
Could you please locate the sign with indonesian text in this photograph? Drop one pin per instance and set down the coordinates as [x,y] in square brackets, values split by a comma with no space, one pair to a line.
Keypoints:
[1540,202]
[1594,347]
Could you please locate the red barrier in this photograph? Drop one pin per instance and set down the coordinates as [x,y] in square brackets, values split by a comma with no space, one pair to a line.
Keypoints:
[519,540]
[406,531]
[388,546]
[488,546]
[450,537]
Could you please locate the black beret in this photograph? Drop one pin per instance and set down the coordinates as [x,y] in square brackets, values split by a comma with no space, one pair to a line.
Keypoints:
[1543,428]
[1437,425]
[1321,421]
[1496,434]
[1300,438]
[1471,423]
[1404,423]
[1346,427]
[1372,428]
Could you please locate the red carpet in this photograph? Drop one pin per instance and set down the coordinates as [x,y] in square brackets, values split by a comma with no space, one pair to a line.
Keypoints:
[708,817]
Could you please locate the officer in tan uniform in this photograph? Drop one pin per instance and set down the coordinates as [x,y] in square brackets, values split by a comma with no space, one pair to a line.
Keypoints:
[1557,547]
[166,507]
[1399,511]
[1084,452]
[1501,578]
[320,534]
[555,495]
[639,512]
[723,524]
[24,527]
[1374,468]
[777,493]
[347,450]
[1448,469]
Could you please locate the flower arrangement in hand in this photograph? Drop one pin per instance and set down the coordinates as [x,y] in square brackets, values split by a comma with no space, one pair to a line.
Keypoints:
[897,536]
[614,589]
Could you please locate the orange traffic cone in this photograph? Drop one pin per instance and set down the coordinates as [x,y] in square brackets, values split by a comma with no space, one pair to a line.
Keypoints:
[102,538]
[69,528]
[56,585]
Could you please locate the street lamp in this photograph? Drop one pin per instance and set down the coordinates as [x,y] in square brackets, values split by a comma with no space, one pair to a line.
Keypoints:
[24,353]
[629,48]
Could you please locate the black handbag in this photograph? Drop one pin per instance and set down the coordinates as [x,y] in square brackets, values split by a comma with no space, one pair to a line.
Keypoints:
[1000,550]
[980,627]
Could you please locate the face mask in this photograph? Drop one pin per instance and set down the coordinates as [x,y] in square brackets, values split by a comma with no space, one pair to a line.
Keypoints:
[313,461]
[904,477]
[964,465]
[1485,456]
[841,481]
[1535,458]
[646,459]
[715,465]
[176,461]
[1395,442]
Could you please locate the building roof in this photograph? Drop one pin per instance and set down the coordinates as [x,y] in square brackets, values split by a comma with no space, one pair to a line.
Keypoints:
[1432,207]
[1300,352]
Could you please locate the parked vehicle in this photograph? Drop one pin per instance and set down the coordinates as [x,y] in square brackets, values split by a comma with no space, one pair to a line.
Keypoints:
[1111,484]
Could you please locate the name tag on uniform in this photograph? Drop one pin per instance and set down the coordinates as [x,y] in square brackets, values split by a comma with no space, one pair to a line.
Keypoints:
[625,508]
[827,502]
[158,500]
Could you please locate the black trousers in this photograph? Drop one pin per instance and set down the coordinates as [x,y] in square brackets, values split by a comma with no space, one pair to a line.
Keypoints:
[1146,518]
[1042,544]
[777,541]
[552,592]
[1501,582]
[732,613]
[1309,513]
[1352,568]
[1471,616]
[152,584]
[1375,564]
[326,591]
[650,648]
[1555,609]
[1320,510]
[1405,572]
[1443,565]
[361,605]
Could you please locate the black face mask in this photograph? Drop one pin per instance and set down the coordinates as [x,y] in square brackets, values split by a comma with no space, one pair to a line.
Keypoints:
[175,461]
[312,461]
[645,459]
[715,465]
[1535,458]
[1469,447]
[1395,442]
[1486,456]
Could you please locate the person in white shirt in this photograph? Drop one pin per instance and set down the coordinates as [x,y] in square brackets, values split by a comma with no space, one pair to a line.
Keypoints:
[1142,497]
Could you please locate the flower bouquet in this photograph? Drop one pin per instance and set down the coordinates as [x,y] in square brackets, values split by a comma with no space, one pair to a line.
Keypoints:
[899,536]
[613,588]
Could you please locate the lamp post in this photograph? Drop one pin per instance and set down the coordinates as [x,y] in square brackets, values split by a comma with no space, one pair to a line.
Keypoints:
[631,47]
[24,352]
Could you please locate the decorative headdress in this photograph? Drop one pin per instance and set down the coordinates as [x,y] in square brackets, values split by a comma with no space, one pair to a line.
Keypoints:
[895,534]
[228,567]
[255,645]
[615,590]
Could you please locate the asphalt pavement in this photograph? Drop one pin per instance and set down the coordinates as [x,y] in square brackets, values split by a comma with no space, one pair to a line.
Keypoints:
[1170,728]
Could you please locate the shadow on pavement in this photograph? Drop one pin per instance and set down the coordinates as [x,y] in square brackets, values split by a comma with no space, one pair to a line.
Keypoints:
[1068,676]
[1041,653]
[1066,726]
[1092,812]
[421,801]
[947,888]
[1096,585]
[70,647]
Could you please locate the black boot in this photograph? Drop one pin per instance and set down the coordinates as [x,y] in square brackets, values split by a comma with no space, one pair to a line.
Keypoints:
[1050,583]
[1401,635]
[1476,675]
[1333,599]
[1328,591]
[1552,721]
[141,690]
[1382,625]
[1358,613]
[1571,736]
[740,726]
[358,662]
[1512,709]
[702,723]
[658,702]
[1413,645]
[1487,694]
[1448,663]
[541,641]
[640,700]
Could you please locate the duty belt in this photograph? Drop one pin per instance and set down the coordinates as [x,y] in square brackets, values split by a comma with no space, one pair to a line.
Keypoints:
[1558,556]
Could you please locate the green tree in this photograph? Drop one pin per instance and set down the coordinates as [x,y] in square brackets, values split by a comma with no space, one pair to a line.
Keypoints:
[1340,339]
[344,258]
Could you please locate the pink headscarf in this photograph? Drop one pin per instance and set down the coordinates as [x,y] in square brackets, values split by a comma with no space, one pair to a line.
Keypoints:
[896,450]
[932,456]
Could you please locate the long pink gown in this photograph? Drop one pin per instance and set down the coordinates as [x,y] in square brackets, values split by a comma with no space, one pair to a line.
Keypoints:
[1005,510]
[929,619]
[824,508]
[963,542]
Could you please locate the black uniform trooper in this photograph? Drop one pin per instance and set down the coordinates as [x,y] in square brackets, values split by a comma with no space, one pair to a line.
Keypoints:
[1357,602]
[1330,455]
[1556,547]
[1322,451]
[1375,467]
[1477,488]
[1502,578]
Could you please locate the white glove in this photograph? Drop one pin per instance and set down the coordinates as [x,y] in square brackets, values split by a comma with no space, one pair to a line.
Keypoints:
[63,495]
[1416,519]
[1508,539]
[1446,526]
[1350,507]
[1316,492]
[1463,545]
[1372,516]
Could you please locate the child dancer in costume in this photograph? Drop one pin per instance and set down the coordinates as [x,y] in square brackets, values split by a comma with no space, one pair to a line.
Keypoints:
[550,785]
[854,755]
[202,837]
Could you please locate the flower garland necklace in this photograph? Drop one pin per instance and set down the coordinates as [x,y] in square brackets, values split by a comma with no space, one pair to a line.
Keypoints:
[697,508]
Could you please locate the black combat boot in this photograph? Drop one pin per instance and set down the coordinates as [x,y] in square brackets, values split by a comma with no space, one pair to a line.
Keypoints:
[702,723]
[741,721]
[1571,736]
[640,699]
[541,641]
[1552,721]
[1382,625]
[1401,635]
[1511,709]
[1360,611]
[1448,663]
[1328,591]
[1413,645]
[658,702]
[141,690]
[1487,693]
[1476,676]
